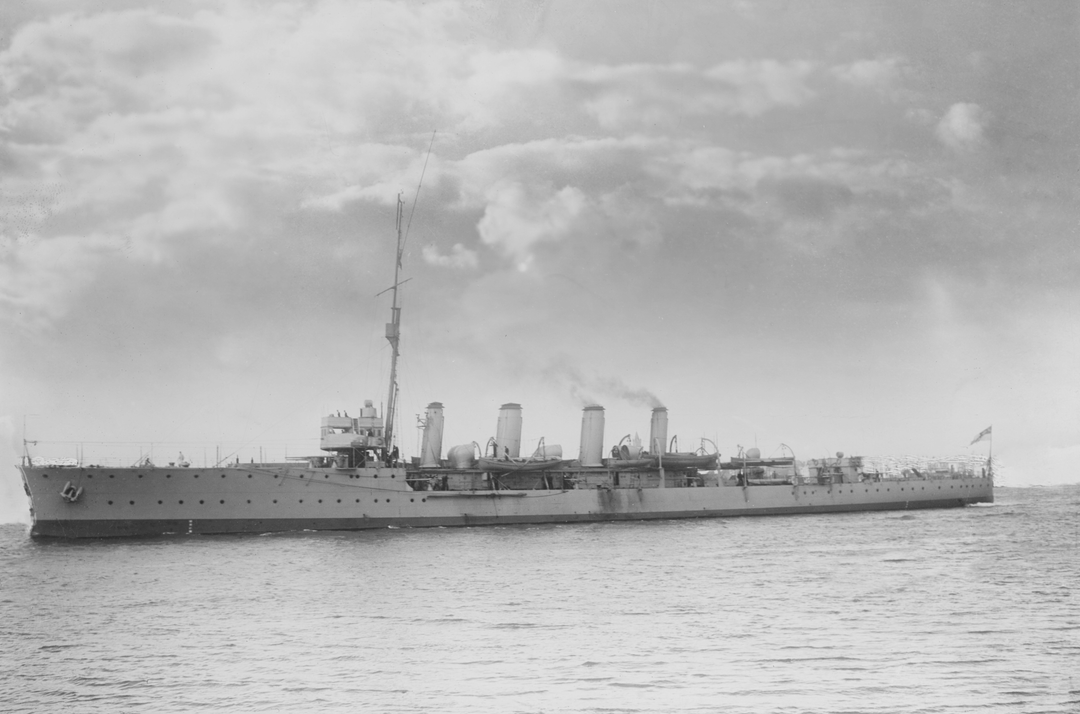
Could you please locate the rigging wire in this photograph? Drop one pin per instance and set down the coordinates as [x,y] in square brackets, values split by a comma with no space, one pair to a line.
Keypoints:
[416,198]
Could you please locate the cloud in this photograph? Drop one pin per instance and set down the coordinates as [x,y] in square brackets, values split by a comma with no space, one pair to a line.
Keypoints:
[651,95]
[142,128]
[962,126]
[882,74]
[460,257]
[157,127]
[519,216]
[502,84]
[548,192]
[249,117]
[39,280]
[594,164]
[777,188]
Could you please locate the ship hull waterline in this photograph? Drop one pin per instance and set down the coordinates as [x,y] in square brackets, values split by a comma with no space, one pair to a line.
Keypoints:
[147,502]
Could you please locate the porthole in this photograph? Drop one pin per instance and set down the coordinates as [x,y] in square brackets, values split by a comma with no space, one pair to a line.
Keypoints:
[131,502]
[196,475]
[326,476]
[44,475]
[358,500]
[168,475]
[140,475]
[412,500]
[110,503]
[275,500]
[222,475]
[112,475]
[393,476]
[301,475]
[87,476]
[222,502]
[376,500]
[201,502]
[181,503]
[320,500]
[376,475]
[249,500]
[423,500]
[301,500]
[159,503]
[275,475]
[339,500]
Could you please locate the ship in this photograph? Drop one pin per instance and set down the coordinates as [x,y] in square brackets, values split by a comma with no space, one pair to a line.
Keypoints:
[360,482]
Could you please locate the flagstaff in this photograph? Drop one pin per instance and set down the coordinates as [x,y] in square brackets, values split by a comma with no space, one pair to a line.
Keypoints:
[987,434]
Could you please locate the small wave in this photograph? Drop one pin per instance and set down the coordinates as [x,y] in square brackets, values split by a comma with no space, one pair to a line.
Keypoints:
[526,626]
[981,660]
[799,660]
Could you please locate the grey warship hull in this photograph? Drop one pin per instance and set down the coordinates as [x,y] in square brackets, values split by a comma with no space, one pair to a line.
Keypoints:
[145,501]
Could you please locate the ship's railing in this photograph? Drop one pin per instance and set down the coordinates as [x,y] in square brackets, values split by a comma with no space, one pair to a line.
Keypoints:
[193,454]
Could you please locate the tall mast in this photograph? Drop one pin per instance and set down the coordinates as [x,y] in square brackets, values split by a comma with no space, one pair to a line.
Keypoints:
[393,328]
[393,332]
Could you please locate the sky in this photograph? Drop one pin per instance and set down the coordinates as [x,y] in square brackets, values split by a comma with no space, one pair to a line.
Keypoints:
[833,225]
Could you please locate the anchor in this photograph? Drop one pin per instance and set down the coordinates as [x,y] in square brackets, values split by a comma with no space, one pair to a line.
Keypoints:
[69,493]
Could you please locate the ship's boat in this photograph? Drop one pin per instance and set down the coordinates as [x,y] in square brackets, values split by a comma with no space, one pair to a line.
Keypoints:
[685,461]
[515,465]
[361,482]
[745,463]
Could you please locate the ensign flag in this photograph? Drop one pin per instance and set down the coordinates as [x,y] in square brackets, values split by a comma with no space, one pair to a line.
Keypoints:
[983,435]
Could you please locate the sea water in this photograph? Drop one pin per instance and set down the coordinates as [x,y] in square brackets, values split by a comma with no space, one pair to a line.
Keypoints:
[960,610]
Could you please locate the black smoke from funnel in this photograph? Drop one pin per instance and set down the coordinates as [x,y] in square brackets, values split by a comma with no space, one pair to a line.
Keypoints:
[593,390]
